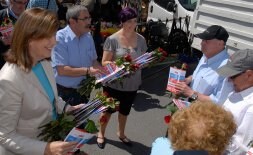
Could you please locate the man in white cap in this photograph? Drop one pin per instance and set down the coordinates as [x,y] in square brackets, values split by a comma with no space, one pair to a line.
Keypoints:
[205,84]
[239,70]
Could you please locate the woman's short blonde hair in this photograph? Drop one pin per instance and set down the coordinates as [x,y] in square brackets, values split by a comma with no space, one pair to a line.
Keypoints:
[202,126]
[33,24]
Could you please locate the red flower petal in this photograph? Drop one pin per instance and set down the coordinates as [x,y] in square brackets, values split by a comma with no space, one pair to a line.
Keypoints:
[128,58]
[105,94]
[167,119]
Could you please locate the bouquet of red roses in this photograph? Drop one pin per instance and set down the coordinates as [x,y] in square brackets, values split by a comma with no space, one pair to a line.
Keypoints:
[78,119]
[123,67]
[126,65]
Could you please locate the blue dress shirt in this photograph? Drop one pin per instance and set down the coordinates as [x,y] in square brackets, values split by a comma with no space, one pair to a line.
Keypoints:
[207,81]
[72,51]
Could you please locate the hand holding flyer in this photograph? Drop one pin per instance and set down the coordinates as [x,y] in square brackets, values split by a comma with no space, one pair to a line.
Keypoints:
[175,75]
[79,136]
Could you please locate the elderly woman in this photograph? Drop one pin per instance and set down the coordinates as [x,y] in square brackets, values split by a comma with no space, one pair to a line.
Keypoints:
[203,126]
[28,91]
[125,41]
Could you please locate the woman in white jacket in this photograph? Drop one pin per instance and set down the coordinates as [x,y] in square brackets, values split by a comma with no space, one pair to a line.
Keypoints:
[28,95]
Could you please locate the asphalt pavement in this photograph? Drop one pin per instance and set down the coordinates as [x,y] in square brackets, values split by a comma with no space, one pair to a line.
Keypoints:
[145,122]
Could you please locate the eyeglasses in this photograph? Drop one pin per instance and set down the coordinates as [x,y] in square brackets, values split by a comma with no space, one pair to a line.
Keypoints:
[235,76]
[20,3]
[83,19]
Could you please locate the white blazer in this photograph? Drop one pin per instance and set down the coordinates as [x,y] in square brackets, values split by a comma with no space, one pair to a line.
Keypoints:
[24,106]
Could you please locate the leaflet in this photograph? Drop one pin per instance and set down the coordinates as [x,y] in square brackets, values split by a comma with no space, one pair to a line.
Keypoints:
[80,136]
[175,75]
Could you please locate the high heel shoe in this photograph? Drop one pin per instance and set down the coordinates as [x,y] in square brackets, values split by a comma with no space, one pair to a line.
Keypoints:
[101,145]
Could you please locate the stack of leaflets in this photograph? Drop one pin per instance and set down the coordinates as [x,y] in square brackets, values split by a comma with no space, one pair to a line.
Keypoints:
[114,72]
[175,75]
[144,59]
[180,103]
[6,30]
[94,107]
[81,115]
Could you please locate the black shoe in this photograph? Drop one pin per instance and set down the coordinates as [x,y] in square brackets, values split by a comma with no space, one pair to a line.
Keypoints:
[126,141]
[101,145]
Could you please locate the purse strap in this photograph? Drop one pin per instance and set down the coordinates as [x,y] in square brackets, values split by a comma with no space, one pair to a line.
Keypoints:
[48,3]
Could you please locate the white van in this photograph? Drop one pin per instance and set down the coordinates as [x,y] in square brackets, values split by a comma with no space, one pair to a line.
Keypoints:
[236,16]
[167,9]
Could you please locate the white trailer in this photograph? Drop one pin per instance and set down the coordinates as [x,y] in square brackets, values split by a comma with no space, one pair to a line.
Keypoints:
[236,16]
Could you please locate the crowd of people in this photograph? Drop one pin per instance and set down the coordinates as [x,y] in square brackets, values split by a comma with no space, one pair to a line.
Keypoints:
[42,66]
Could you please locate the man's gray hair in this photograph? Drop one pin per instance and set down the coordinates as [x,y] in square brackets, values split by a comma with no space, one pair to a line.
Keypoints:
[74,12]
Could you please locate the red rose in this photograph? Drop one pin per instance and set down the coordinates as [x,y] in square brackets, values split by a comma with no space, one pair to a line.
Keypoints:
[184,66]
[128,58]
[167,119]
[160,49]
[165,54]
[134,67]
[105,94]
[137,66]
[162,59]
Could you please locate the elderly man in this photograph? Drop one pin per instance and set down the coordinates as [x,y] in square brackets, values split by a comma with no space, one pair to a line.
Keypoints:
[205,83]
[8,17]
[239,70]
[74,56]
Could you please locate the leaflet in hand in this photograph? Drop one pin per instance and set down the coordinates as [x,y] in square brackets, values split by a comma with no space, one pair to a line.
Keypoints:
[175,75]
[79,136]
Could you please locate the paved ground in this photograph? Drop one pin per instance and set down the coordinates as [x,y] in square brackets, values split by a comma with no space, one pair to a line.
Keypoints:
[145,122]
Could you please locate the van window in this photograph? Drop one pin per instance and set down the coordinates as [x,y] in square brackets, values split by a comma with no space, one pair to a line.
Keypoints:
[189,5]
[162,3]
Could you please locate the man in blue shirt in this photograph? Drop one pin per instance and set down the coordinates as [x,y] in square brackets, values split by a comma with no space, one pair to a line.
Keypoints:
[74,56]
[205,84]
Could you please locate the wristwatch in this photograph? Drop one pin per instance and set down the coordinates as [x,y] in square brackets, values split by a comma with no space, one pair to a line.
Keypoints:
[193,97]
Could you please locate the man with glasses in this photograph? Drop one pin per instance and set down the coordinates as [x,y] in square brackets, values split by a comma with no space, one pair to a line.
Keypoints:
[74,57]
[8,17]
[239,70]
[205,84]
